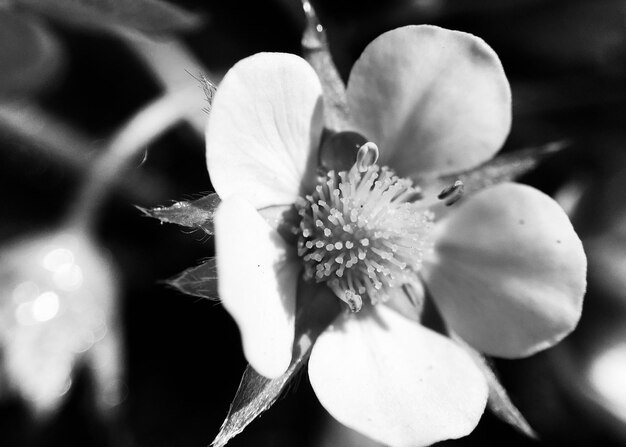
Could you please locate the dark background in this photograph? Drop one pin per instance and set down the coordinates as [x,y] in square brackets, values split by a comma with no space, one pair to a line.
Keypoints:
[565,61]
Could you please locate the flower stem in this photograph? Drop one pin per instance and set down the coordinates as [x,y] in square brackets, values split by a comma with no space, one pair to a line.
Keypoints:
[143,128]
[42,133]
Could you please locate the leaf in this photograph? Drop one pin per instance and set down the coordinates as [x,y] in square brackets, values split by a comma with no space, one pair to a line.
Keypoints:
[317,53]
[499,401]
[501,405]
[318,308]
[148,16]
[29,54]
[209,89]
[503,168]
[200,281]
[506,167]
[197,214]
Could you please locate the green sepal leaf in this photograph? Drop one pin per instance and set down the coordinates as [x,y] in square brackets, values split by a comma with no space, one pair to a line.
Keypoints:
[209,89]
[197,214]
[200,281]
[147,16]
[317,308]
[503,168]
[317,54]
[506,167]
[501,405]
[499,402]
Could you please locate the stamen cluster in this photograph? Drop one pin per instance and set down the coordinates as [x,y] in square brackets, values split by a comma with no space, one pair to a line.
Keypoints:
[363,233]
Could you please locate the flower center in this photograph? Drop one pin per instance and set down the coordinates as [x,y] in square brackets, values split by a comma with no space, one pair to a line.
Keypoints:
[362,232]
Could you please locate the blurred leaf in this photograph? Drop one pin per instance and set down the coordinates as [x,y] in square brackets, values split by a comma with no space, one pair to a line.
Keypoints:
[200,281]
[29,54]
[317,309]
[197,214]
[499,401]
[148,16]
[317,53]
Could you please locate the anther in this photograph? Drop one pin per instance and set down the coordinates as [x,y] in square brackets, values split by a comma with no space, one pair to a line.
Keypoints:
[452,193]
[354,301]
[360,231]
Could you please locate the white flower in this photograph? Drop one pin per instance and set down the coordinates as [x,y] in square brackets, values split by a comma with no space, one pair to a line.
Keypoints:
[505,268]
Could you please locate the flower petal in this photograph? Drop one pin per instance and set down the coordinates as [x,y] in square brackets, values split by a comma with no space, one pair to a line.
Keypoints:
[257,284]
[434,100]
[264,129]
[407,300]
[396,381]
[508,271]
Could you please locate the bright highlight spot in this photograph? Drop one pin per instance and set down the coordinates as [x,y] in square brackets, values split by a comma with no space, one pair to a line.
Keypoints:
[43,308]
[607,375]
[46,306]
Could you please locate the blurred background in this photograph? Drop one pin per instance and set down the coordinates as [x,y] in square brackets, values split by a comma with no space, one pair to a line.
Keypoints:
[71,81]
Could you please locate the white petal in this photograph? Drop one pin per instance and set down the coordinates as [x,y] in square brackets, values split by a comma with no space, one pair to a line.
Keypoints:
[396,381]
[264,130]
[433,100]
[508,271]
[407,300]
[257,277]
